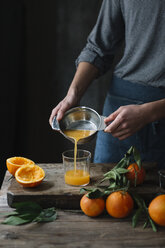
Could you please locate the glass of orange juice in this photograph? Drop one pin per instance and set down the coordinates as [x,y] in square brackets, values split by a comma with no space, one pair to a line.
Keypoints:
[76,167]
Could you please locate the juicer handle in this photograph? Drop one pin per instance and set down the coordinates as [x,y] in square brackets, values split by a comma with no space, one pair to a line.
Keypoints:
[102,123]
[55,124]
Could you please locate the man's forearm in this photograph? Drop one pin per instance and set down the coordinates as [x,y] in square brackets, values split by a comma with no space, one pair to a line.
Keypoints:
[84,75]
[154,110]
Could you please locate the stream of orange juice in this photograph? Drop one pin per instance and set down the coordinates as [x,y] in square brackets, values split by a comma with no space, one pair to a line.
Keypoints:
[76,176]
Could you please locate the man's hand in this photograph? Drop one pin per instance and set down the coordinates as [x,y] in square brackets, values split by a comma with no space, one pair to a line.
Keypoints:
[126,120]
[69,101]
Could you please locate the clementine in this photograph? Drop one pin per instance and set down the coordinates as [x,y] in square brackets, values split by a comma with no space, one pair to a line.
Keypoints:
[156,210]
[119,204]
[16,162]
[135,175]
[30,175]
[92,207]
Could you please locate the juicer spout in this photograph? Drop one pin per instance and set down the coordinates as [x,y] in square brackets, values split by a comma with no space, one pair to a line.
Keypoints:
[55,124]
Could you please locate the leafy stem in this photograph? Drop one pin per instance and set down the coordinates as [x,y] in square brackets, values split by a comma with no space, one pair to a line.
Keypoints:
[26,212]
[142,209]
[118,181]
[116,176]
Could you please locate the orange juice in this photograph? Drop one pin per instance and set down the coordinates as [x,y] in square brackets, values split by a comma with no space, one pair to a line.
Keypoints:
[77,177]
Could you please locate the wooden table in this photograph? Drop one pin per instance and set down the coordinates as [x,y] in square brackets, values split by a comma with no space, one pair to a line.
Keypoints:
[73,229]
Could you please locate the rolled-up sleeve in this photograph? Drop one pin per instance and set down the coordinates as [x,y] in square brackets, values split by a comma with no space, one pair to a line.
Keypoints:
[105,38]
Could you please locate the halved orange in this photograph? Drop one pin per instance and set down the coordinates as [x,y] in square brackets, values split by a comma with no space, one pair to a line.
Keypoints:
[30,175]
[16,162]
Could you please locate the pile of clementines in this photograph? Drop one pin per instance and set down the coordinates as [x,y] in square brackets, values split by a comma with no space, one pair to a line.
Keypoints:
[120,204]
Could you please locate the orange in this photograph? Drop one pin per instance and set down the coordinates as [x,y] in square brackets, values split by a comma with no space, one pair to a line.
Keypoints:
[119,204]
[156,210]
[16,162]
[30,175]
[92,207]
[135,172]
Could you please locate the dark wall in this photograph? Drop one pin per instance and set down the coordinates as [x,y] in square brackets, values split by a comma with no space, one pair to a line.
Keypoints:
[55,34]
[11,77]
[42,39]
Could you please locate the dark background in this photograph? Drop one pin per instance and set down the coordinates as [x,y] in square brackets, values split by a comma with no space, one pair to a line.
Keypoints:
[40,41]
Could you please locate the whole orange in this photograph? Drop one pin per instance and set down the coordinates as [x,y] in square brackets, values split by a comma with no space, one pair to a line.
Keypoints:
[119,204]
[92,207]
[156,210]
[135,172]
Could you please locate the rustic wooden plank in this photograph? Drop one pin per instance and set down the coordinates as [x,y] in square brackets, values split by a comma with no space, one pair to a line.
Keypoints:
[4,189]
[54,192]
[74,229]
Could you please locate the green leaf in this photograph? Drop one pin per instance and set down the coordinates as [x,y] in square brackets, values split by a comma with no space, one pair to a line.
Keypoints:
[96,193]
[28,216]
[117,188]
[117,175]
[50,219]
[110,175]
[128,162]
[145,224]
[152,225]
[136,217]
[49,212]
[125,181]
[112,185]
[137,157]
[150,220]
[46,215]
[9,213]
[136,174]
[15,221]
[122,170]
[108,192]
[141,203]
[129,152]
[138,200]
[84,190]
[27,212]
[121,164]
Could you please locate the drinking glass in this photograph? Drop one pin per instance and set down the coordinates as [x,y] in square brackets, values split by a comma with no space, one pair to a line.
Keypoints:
[76,171]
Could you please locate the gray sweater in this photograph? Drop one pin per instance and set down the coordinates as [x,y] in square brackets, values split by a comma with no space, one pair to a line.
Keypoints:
[140,24]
